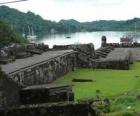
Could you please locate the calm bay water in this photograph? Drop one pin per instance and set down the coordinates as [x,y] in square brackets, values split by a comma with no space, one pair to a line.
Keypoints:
[84,37]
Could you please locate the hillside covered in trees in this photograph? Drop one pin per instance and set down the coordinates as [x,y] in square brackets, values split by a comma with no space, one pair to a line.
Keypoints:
[21,22]
[112,25]
[7,35]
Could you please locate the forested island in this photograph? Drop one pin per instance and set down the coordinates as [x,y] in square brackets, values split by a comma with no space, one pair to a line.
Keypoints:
[20,22]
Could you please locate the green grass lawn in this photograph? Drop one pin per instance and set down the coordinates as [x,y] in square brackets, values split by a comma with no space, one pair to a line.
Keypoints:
[110,82]
[114,84]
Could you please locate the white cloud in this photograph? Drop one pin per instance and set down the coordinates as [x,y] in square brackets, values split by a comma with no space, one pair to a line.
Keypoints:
[82,10]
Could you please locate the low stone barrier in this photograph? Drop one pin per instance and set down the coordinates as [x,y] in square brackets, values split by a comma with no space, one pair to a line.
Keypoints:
[46,94]
[123,45]
[119,58]
[85,52]
[56,109]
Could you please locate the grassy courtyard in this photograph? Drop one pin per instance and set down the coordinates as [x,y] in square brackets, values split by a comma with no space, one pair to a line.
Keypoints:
[111,83]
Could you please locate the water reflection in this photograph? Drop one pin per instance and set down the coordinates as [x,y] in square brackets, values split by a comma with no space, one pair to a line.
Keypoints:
[85,37]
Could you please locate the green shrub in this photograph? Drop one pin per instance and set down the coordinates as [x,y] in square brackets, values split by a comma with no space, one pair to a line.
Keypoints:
[118,107]
[125,100]
[7,35]
[128,114]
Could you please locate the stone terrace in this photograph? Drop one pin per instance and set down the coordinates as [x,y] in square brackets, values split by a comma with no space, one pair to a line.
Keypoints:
[21,64]
[118,54]
[119,58]
[136,53]
[40,69]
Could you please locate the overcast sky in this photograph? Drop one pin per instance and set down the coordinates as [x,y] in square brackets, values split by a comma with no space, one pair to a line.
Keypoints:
[81,10]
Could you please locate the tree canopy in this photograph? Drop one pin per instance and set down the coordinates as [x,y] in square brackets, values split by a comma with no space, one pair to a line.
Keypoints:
[7,35]
[21,22]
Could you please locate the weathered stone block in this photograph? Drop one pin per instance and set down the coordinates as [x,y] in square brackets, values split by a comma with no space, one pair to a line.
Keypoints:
[9,92]
[46,94]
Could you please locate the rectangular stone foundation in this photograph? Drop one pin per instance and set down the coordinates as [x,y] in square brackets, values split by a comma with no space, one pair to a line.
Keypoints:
[41,69]
[119,58]
[46,94]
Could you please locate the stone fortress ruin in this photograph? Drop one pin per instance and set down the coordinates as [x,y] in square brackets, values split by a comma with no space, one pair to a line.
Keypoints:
[27,72]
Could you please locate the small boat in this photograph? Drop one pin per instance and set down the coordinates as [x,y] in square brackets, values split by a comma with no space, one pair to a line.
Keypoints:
[126,39]
[68,37]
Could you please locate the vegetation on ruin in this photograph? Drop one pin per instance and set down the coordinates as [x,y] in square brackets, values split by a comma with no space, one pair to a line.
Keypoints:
[121,86]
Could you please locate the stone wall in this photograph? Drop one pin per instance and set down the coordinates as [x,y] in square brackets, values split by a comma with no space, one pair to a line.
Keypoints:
[47,93]
[85,52]
[116,64]
[15,51]
[119,58]
[123,45]
[9,95]
[56,109]
[45,72]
